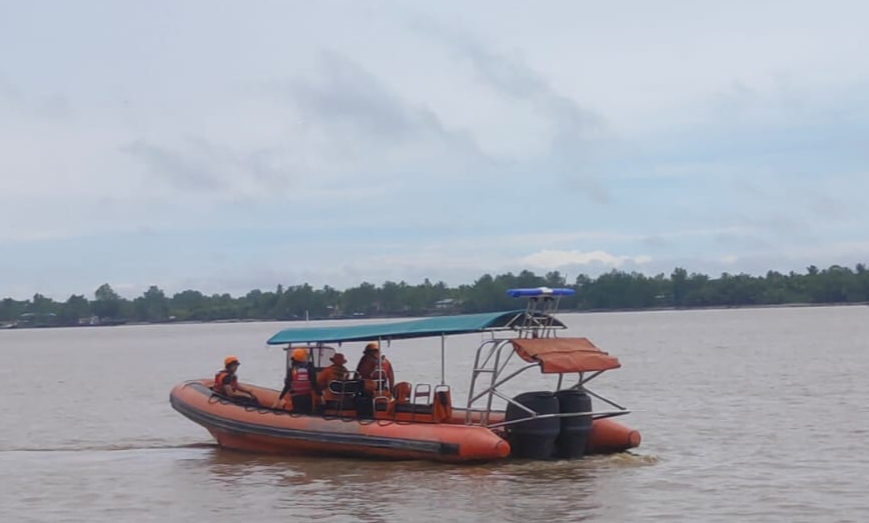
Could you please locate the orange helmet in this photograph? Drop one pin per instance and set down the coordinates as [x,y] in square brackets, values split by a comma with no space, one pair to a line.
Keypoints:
[300,355]
[230,360]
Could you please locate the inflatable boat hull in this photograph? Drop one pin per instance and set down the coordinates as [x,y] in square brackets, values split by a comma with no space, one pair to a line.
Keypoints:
[268,431]
[279,432]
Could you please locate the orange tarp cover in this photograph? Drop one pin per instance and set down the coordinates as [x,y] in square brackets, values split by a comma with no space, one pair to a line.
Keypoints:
[564,354]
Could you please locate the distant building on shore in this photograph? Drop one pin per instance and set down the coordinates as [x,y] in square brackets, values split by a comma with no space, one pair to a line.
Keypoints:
[447,305]
[37,319]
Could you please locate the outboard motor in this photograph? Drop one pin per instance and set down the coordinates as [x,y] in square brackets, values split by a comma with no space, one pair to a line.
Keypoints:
[533,439]
[575,430]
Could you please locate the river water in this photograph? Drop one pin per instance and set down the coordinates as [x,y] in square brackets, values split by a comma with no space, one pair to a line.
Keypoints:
[746,415]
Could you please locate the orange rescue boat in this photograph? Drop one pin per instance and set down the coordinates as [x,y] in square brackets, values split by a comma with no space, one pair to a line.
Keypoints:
[375,419]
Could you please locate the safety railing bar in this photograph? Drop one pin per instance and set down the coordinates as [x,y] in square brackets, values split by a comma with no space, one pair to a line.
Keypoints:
[485,415]
[593,376]
[534,414]
[607,400]
[475,374]
[494,343]
[507,359]
[594,415]
[421,387]
[503,381]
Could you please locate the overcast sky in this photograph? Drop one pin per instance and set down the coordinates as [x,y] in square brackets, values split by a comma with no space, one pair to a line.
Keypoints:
[225,146]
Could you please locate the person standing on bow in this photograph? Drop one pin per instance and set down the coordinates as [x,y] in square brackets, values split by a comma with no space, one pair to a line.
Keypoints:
[226,383]
[300,383]
[373,365]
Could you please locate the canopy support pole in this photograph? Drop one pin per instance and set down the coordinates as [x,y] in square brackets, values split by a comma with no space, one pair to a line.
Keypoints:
[379,358]
[443,359]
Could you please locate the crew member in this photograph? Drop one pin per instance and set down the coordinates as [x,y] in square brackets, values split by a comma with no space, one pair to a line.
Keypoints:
[335,372]
[371,362]
[300,383]
[226,382]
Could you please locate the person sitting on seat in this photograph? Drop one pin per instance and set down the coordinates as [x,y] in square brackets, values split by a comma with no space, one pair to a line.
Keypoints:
[300,383]
[335,372]
[226,383]
[367,368]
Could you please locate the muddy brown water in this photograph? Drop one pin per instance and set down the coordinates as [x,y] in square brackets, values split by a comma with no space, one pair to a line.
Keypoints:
[746,415]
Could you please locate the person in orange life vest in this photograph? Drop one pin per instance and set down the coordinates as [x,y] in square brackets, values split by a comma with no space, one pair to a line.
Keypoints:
[335,372]
[300,383]
[368,364]
[226,382]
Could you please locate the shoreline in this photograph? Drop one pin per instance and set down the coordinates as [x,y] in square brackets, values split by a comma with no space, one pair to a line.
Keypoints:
[380,317]
[725,307]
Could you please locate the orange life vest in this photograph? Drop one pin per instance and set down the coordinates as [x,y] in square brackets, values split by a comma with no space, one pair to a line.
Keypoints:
[367,370]
[218,382]
[301,381]
[329,374]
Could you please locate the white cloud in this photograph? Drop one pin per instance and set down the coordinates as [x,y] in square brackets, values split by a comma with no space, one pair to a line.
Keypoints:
[603,235]
[558,259]
[454,150]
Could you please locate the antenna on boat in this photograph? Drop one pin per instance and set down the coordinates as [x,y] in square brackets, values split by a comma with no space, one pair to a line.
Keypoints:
[542,303]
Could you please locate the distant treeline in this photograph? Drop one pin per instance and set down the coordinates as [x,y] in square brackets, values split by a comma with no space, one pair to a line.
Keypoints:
[610,291]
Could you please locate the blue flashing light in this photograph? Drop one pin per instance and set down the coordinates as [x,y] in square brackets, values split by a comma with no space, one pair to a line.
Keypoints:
[538,292]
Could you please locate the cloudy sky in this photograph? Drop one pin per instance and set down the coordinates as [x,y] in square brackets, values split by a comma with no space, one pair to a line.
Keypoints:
[226,146]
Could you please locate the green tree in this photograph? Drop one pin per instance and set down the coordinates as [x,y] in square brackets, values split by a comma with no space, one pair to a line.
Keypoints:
[76,307]
[11,309]
[152,305]
[361,299]
[42,305]
[107,303]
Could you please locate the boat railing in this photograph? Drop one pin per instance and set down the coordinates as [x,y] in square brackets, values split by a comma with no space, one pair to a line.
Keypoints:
[540,308]
[593,414]
[491,392]
[492,361]
[484,367]
[494,386]
[421,390]
[605,400]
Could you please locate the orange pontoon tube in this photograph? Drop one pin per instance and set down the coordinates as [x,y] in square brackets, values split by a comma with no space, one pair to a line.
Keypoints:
[276,431]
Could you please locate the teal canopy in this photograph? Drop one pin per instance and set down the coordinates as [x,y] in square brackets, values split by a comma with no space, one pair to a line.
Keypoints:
[426,327]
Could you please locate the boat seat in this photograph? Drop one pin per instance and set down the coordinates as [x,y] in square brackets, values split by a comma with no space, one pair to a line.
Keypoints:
[382,404]
[344,407]
[348,387]
[347,404]
[402,409]
[441,408]
[378,384]
[443,403]
[342,402]
[402,392]
[422,391]
[420,408]
[414,408]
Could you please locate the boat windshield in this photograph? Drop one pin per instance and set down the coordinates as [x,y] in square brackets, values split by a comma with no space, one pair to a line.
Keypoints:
[319,355]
